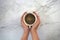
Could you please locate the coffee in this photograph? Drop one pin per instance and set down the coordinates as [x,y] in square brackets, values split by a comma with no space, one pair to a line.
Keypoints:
[29,18]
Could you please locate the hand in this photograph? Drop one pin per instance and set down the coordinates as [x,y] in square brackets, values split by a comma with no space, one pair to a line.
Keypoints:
[23,24]
[35,25]
[26,31]
[33,29]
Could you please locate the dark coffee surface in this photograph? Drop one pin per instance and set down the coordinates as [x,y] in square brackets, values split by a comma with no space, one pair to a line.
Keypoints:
[30,18]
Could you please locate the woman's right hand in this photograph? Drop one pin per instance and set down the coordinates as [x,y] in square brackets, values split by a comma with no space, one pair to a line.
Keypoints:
[23,24]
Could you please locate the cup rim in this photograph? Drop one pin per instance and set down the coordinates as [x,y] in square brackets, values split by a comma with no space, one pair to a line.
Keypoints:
[25,21]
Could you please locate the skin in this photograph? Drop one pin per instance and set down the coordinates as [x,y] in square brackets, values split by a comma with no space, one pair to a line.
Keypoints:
[33,30]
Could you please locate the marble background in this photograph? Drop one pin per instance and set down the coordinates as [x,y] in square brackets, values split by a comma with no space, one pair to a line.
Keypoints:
[12,10]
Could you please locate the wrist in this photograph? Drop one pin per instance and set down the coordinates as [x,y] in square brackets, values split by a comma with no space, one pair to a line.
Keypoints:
[33,30]
[26,30]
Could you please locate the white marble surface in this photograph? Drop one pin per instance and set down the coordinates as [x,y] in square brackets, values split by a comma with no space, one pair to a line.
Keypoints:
[12,10]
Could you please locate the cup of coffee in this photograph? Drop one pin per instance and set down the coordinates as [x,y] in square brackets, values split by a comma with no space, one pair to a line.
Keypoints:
[30,19]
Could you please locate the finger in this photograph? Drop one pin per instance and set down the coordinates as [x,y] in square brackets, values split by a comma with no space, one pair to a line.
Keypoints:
[38,20]
[36,15]
[23,14]
[22,21]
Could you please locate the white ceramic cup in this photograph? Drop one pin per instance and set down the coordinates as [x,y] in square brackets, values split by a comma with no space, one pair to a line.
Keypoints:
[29,25]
